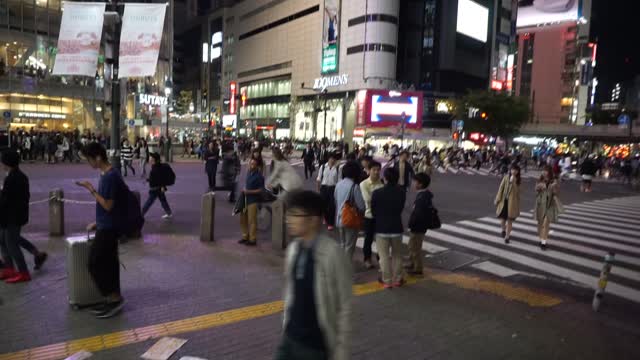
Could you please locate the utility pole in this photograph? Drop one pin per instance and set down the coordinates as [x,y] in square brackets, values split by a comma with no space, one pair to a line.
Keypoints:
[324,93]
[115,89]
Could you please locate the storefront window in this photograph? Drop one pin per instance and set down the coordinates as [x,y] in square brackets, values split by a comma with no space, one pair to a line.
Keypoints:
[267,88]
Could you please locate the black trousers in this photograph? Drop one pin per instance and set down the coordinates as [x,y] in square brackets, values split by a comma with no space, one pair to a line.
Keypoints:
[330,204]
[290,349]
[308,169]
[104,265]
[211,176]
[369,236]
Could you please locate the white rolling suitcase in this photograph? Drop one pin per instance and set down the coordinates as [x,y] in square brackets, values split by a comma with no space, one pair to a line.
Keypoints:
[83,291]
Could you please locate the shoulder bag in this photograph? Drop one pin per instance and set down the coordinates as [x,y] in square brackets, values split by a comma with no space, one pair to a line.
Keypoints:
[351,216]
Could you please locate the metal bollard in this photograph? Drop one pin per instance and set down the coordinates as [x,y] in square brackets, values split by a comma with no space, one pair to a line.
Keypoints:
[207,217]
[602,282]
[56,212]
[279,237]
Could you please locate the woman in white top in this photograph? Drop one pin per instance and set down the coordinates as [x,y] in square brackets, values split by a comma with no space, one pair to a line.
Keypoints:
[283,175]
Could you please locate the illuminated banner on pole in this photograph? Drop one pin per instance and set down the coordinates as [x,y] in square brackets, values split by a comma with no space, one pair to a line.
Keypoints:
[79,40]
[140,39]
[330,36]
[232,100]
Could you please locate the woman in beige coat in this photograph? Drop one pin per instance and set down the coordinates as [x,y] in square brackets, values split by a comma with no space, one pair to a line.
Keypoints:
[548,206]
[507,201]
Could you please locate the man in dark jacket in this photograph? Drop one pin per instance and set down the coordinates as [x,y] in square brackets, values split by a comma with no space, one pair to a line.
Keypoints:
[405,170]
[230,170]
[418,223]
[211,157]
[14,214]
[308,157]
[157,187]
[387,204]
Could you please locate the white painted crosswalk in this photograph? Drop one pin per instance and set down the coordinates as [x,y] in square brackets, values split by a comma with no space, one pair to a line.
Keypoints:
[530,174]
[579,241]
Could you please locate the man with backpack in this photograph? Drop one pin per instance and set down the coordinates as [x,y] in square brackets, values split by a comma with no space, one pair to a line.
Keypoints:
[104,265]
[160,177]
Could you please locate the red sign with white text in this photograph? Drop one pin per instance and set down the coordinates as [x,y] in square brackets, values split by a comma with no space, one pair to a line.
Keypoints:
[232,99]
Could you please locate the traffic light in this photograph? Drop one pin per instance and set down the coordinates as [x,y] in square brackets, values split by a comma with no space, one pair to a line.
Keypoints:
[456,135]
[483,115]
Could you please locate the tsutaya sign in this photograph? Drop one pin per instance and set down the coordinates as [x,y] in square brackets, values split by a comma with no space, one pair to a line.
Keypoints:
[330,81]
[146,99]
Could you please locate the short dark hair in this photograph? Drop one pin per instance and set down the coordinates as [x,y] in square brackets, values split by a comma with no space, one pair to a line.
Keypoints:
[311,203]
[95,150]
[333,156]
[373,163]
[391,175]
[155,157]
[404,152]
[351,156]
[351,170]
[423,179]
[11,158]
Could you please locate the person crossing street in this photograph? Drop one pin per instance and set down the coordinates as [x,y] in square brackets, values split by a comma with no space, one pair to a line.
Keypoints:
[158,182]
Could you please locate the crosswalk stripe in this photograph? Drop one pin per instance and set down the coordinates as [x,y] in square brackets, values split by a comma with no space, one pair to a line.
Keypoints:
[587,232]
[628,205]
[615,206]
[588,224]
[598,221]
[556,242]
[621,200]
[596,265]
[600,216]
[495,269]
[467,171]
[628,213]
[426,246]
[441,170]
[543,266]
[452,170]
[593,212]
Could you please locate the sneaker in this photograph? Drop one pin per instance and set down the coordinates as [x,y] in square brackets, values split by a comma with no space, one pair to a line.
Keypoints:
[111,310]
[368,265]
[20,277]
[387,286]
[380,280]
[506,240]
[167,216]
[7,273]
[242,242]
[330,228]
[503,233]
[543,247]
[99,309]
[251,243]
[399,283]
[40,259]
[418,274]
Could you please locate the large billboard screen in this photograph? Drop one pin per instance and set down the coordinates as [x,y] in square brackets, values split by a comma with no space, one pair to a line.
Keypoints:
[384,108]
[537,12]
[330,36]
[473,20]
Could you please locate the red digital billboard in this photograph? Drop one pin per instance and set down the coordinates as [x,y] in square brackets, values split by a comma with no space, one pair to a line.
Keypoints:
[388,108]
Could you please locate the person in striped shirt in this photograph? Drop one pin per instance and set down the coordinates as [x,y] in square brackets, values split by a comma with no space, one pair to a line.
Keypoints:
[126,155]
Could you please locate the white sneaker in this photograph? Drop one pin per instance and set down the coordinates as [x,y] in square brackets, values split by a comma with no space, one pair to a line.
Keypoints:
[167,216]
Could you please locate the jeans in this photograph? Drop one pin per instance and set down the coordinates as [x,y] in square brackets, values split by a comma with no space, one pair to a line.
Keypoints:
[292,350]
[143,166]
[153,195]
[127,164]
[369,233]
[104,265]
[347,238]
[10,247]
[391,271]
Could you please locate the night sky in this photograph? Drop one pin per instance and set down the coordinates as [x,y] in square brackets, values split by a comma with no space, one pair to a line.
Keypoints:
[616,27]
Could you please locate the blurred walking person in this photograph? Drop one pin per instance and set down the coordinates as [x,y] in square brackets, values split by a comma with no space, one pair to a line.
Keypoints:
[588,170]
[144,157]
[211,158]
[126,155]
[547,206]
[158,182]
[317,291]
[308,157]
[507,201]
[14,214]
[283,176]
[252,192]
[386,207]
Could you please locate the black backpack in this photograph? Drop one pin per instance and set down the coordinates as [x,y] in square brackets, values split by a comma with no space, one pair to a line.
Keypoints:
[127,213]
[167,175]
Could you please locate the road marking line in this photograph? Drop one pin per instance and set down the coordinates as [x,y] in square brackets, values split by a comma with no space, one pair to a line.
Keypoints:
[128,337]
[599,216]
[618,211]
[620,217]
[495,269]
[587,232]
[589,224]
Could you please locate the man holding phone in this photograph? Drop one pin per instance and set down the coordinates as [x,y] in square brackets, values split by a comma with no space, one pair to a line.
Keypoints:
[104,265]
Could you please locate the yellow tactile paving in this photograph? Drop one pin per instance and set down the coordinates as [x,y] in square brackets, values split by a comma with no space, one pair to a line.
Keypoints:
[122,338]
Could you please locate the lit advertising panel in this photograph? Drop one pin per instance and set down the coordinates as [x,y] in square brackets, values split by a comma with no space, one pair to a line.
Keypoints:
[384,108]
[330,36]
[538,12]
[473,20]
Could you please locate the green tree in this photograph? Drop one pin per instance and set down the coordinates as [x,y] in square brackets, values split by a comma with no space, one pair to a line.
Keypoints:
[497,114]
[182,103]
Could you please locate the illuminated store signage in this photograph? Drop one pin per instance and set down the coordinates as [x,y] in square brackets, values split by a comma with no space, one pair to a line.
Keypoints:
[146,99]
[330,81]
[39,115]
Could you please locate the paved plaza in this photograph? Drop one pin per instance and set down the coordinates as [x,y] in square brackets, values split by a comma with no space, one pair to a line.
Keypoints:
[510,302]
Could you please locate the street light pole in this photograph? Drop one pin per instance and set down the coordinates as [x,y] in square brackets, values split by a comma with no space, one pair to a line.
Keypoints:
[115,91]
[168,88]
[404,117]
[324,92]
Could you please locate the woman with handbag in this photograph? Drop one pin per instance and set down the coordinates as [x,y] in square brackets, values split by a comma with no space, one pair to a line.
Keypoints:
[350,207]
[548,205]
[507,201]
